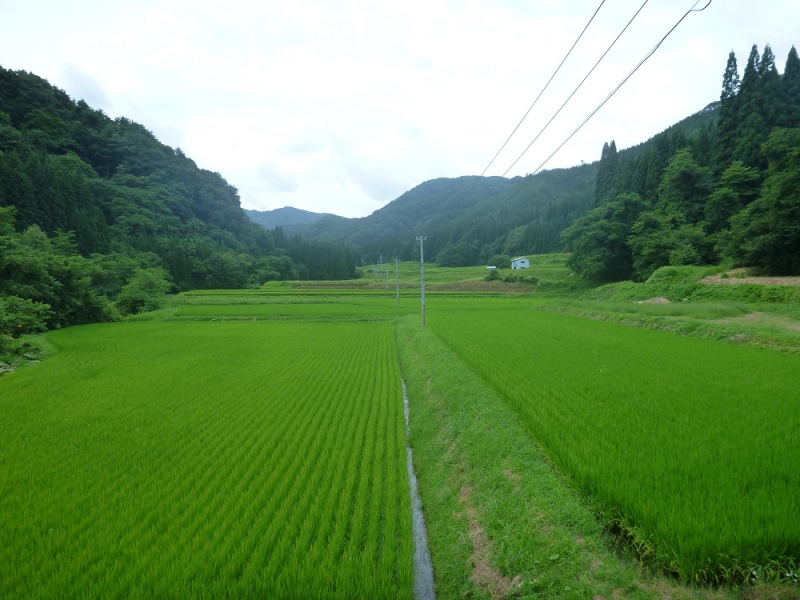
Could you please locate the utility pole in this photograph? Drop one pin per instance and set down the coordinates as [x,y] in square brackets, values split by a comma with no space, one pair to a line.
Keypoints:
[387,275]
[422,274]
[397,280]
[380,266]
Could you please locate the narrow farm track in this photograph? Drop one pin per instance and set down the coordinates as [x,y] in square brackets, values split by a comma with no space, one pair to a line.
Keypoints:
[205,459]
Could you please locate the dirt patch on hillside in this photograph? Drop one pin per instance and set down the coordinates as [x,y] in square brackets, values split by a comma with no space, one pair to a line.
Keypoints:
[658,300]
[481,285]
[484,575]
[736,276]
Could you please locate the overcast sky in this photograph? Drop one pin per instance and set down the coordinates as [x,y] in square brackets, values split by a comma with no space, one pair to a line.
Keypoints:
[341,106]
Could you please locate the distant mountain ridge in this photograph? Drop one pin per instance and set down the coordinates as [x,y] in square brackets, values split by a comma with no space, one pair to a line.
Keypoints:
[283,217]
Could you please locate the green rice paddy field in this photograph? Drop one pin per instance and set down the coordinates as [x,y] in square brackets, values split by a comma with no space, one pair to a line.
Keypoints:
[684,443]
[264,456]
[180,460]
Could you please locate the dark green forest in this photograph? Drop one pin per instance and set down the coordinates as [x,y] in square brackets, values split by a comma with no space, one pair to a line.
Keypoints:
[726,192]
[90,205]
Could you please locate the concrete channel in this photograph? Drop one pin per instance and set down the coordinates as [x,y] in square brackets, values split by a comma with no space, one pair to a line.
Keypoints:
[423,569]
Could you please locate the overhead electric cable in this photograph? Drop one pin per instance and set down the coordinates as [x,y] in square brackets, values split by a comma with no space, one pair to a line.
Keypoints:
[575,91]
[530,108]
[591,114]
[624,80]
[546,85]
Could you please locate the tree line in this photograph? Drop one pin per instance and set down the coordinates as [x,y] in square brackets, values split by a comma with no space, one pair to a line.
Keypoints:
[728,192]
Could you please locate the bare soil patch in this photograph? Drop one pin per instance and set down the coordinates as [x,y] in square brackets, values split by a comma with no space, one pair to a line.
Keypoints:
[484,575]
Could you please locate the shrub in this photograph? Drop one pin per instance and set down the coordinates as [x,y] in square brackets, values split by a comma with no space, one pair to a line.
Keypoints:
[144,292]
[18,317]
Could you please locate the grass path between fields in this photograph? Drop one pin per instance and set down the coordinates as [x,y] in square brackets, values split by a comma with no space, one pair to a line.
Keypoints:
[501,522]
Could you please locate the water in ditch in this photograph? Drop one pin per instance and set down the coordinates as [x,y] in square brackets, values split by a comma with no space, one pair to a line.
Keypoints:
[423,569]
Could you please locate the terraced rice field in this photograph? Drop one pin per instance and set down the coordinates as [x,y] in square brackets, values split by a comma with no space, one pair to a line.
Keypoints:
[688,445]
[198,459]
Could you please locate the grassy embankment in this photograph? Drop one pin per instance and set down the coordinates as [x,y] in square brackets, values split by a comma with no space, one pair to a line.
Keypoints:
[766,316]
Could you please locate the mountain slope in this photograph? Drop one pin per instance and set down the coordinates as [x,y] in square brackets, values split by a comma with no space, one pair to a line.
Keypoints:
[65,167]
[498,213]
[469,219]
[283,217]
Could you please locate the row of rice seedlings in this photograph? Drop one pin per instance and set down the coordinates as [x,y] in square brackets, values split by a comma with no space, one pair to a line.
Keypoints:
[360,307]
[687,445]
[353,305]
[207,460]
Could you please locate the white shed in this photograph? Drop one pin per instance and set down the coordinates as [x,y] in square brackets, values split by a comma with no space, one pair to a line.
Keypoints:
[520,263]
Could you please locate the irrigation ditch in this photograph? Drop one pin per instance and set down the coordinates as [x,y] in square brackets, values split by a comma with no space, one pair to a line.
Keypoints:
[423,568]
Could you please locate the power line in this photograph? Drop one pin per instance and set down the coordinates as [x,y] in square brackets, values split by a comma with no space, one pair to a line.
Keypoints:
[474,183]
[575,91]
[625,79]
[530,108]
[546,85]
[586,120]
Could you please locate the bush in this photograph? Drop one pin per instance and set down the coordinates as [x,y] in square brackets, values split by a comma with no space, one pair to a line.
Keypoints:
[18,317]
[501,261]
[682,274]
[145,291]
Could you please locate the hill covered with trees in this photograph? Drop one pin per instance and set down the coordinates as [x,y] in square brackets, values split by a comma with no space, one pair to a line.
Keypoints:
[727,191]
[288,218]
[96,203]
[719,185]
[468,219]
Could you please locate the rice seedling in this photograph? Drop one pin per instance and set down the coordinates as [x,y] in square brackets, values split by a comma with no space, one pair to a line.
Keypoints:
[687,446]
[198,459]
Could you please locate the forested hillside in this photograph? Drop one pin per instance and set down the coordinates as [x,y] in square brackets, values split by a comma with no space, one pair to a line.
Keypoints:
[105,196]
[468,219]
[726,191]
[288,218]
